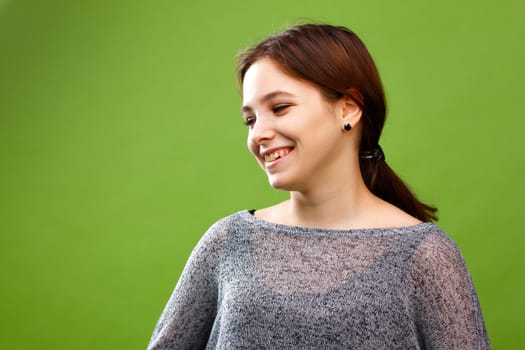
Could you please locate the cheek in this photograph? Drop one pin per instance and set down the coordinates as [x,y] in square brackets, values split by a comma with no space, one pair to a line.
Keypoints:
[252,147]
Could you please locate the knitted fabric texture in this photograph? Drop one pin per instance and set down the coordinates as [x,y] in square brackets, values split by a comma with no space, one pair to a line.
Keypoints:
[252,284]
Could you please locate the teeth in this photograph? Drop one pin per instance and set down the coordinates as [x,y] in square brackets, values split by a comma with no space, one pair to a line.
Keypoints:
[275,155]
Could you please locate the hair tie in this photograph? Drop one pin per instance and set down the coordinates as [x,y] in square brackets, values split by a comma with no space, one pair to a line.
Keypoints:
[376,153]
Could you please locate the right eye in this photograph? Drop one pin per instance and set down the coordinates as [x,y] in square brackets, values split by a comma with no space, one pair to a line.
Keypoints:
[249,121]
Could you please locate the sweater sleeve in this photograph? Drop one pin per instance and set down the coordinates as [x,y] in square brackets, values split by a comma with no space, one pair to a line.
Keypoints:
[445,305]
[189,314]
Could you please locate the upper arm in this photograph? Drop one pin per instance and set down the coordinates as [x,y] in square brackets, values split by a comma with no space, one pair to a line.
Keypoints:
[189,314]
[444,301]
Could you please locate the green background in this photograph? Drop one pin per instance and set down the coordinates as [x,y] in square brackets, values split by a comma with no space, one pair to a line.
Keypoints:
[121,141]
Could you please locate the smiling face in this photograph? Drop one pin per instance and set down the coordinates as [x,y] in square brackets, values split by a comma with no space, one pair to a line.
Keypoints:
[295,133]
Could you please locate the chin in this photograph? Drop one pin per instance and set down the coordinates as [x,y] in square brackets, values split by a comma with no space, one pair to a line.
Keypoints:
[281,183]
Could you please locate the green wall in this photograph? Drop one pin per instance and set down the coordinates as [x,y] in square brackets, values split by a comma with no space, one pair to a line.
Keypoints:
[121,141]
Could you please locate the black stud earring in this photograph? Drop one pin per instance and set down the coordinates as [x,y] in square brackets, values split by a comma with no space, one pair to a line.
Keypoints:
[347,127]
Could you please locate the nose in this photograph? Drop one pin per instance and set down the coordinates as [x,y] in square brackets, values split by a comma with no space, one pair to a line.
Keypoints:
[262,130]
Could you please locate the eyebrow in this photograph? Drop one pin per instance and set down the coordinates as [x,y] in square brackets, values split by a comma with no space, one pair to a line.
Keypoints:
[269,96]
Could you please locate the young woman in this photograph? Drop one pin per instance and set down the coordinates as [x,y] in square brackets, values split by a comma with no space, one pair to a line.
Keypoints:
[351,260]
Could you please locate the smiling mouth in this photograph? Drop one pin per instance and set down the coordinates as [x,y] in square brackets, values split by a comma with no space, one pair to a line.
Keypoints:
[270,157]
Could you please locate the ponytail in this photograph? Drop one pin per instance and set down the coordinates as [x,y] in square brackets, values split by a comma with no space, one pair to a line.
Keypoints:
[382,181]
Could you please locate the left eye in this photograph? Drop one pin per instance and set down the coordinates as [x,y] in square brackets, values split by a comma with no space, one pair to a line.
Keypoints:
[280,108]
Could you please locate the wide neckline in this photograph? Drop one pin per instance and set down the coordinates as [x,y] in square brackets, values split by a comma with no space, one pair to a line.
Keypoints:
[248,216]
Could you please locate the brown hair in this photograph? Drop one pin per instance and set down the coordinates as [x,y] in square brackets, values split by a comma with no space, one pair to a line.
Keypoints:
[338,62]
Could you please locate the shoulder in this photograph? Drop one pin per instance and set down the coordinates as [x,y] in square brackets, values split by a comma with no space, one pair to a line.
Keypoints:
[211,244]
[218,231]
[436,245]
[439,258]
[385,214]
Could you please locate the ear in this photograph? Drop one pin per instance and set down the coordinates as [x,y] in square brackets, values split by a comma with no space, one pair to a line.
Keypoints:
[351,109]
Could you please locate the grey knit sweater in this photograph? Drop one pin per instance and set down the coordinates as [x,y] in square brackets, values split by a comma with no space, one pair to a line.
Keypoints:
[252,284]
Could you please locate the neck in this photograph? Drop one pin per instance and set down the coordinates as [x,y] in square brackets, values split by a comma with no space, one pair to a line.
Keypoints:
[333,205]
